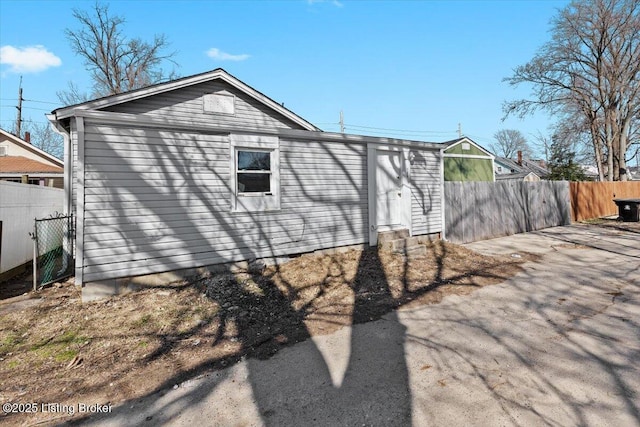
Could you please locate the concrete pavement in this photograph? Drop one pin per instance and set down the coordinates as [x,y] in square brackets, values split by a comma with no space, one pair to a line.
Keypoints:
[559,344]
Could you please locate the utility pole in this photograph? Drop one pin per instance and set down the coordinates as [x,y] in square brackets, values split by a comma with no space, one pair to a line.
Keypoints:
[341,122]
[19,107]
[459,130]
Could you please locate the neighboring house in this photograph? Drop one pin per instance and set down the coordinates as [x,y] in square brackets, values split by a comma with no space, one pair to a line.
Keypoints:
[519,176]
[22,162]
[634,173]
[464,160]
[521,169]
[591,172]
[206,170]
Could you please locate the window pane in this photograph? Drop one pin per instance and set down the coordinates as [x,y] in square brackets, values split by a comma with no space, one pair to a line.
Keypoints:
[254,161]
[254,182]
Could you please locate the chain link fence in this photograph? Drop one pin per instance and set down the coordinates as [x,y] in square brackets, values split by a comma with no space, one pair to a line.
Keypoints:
[53,249]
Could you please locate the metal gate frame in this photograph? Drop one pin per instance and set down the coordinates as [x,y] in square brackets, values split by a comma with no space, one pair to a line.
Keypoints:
[53,240]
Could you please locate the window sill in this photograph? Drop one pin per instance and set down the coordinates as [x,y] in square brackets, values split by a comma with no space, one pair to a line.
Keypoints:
[241,211]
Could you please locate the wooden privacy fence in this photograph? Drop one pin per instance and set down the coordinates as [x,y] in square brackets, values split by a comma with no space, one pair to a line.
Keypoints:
[482,210]
[595,199]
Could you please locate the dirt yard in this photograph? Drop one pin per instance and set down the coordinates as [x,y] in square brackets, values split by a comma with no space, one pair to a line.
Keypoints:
[62,351]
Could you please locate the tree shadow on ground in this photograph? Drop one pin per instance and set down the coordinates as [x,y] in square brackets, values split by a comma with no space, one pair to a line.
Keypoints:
[357,375]
[373,388]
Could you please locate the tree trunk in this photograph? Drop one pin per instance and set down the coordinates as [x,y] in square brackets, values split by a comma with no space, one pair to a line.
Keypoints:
[597,149]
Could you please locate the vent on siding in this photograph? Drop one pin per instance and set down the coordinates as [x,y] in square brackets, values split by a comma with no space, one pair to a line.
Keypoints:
[3,151]
[466,146]
[219,103]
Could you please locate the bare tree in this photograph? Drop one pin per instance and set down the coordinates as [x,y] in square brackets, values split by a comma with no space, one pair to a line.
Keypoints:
[116,63]
[590,69]
[42,136]
[73,95]
[509,142]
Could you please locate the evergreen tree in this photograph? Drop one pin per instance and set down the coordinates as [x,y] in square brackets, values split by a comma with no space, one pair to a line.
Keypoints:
[562,163]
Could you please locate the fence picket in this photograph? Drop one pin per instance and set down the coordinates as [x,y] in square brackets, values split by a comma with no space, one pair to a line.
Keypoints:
[595,199]
[482,210]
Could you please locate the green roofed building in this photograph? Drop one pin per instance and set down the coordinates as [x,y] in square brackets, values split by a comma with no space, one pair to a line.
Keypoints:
[464,160]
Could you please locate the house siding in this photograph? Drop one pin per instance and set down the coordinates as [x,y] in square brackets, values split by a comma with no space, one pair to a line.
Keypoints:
[159,200]
[468,169]
[186,105]
[74,168]
[426,200]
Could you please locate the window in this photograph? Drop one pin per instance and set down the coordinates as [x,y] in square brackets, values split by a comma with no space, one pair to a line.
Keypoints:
[254,171]
[255,174]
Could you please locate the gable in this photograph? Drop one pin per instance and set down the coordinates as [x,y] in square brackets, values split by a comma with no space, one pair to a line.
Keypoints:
[466,147]
[507,165]
[266,104]
[212,102]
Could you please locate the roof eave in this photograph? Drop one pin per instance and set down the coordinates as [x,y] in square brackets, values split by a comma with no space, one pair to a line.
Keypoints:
[219,73]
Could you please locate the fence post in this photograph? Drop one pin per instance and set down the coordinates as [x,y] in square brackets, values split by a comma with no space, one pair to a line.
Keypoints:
[35,255]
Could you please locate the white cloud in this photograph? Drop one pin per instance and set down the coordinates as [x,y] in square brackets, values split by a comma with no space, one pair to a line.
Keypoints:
[223,56]
[30,59]
[336,3]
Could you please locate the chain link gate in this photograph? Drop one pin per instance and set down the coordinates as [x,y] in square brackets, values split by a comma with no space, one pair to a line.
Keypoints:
[53,249]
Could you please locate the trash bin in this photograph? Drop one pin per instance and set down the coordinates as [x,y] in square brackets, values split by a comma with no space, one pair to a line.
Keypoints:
[628,209]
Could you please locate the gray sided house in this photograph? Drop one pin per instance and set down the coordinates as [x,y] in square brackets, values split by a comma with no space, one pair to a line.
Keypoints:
[464,160]
[206,170]
[521,169]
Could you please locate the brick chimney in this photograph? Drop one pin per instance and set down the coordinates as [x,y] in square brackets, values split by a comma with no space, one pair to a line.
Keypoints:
[519,158]
[27,137]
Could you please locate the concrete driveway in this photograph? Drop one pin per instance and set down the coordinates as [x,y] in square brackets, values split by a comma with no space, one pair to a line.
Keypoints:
[559,344]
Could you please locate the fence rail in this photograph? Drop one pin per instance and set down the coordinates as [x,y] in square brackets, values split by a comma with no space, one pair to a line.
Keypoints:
[595,199]
[483,210]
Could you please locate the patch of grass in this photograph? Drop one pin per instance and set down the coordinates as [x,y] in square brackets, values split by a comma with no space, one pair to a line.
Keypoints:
[9,343]
[593,221]
[60,348]
[145,320]
[65,355]
[13,364]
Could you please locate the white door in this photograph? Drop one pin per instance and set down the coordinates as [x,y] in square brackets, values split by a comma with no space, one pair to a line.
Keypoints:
[388,189]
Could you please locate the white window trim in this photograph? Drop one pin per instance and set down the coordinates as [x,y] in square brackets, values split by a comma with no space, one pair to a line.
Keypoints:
[254,202]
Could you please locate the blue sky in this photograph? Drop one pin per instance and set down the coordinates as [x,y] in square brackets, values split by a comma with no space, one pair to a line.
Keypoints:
[410,69]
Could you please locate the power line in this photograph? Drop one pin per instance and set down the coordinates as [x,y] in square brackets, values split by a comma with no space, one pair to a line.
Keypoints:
[42,102]
[23,107]
[432,132]
[23,120]
[30,100]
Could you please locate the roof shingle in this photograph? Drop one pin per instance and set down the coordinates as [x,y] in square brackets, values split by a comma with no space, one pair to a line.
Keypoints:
[20,164]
